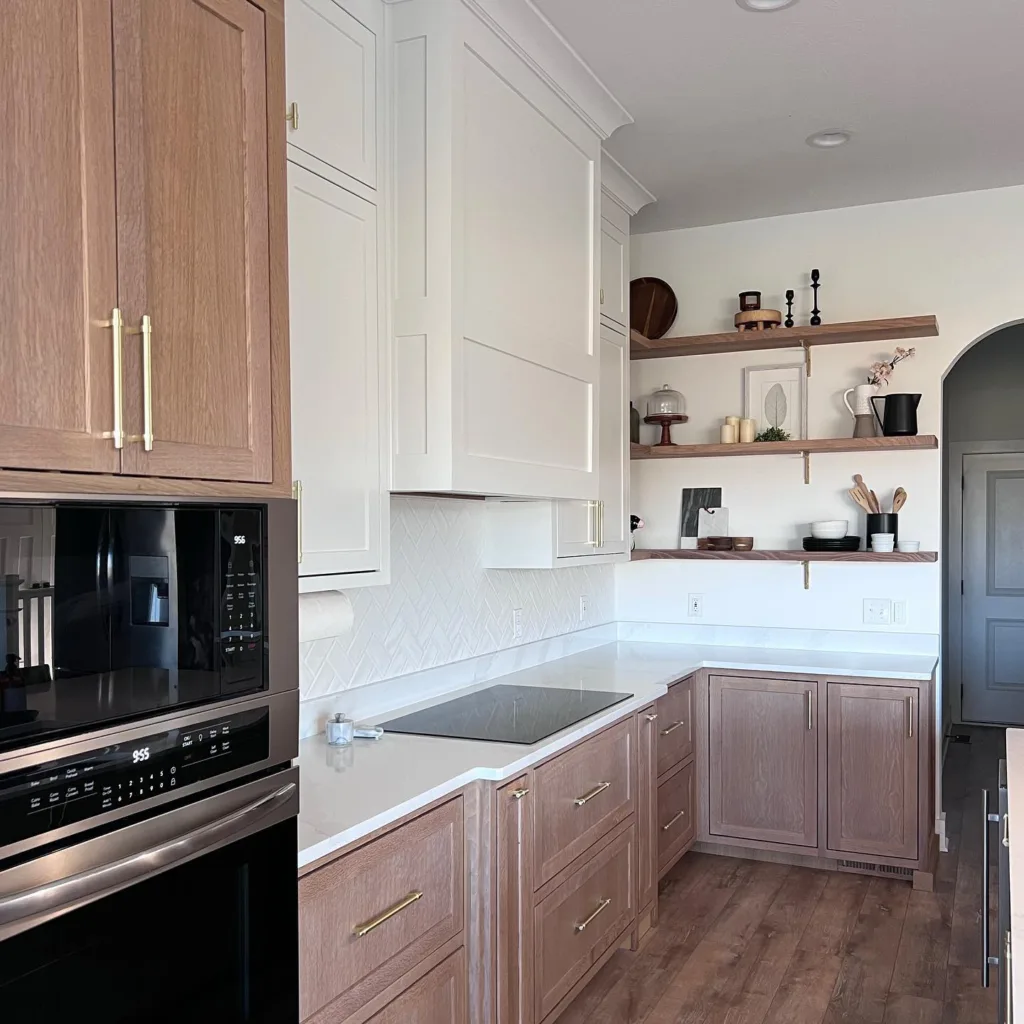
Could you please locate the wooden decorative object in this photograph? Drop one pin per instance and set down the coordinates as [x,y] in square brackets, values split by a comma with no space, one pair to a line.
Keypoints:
[817,445]
[665,421]
[749,301]
[652,306]
[758,320]
[785,556]
[815,313]
[790,294]
[743,543]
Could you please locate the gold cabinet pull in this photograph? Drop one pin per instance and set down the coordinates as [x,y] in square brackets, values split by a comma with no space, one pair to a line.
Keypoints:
[146,330]
[518,794]
[672,728]
[297,496]
[587,797]
[592,540]
[368,926]
[600,524]
[116,325]
[910,717]
[292,117]
[671,821]
[581,925]
[810,710]
[652,718]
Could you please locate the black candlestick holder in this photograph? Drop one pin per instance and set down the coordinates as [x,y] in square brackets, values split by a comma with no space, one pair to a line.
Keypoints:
[815,313]
[789,307]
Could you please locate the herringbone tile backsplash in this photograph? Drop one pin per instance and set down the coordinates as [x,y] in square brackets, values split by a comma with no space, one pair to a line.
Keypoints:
[442,606]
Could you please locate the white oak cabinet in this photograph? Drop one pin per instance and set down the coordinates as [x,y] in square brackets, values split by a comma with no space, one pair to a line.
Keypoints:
[337,276]
[496,363]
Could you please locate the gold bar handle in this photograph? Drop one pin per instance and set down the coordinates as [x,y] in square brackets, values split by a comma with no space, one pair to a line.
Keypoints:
[297,495]
[368,926]
[292,117]
[518,794]
[587,797]
[600,520]
[673,820]
[652,718]
[116,325]
[810,710]
[910,717]
[581,925]
[146,330]
[672,728]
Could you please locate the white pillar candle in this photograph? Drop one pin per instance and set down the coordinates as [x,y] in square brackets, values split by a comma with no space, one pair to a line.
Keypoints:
[733,421]
[747,431]
[728,433]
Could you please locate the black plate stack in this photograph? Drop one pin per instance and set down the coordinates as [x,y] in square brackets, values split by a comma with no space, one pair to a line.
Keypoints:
[840,544]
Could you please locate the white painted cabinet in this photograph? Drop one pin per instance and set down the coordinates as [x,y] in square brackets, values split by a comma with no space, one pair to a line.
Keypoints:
[495,358]
[332,86]
[336,375]
[613,425]
[615,265]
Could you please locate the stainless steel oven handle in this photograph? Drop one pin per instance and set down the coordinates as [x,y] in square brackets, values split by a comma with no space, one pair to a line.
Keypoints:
[48,900]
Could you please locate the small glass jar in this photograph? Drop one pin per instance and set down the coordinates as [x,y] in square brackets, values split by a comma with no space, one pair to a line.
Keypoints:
[666,402]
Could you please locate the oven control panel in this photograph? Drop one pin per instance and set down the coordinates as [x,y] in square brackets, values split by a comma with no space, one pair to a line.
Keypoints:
[62,792]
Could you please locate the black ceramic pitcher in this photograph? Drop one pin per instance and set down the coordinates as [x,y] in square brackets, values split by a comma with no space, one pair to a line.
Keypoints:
[900,417]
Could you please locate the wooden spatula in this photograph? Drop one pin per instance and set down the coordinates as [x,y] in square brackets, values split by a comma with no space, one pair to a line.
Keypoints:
[899,499]
[859,498]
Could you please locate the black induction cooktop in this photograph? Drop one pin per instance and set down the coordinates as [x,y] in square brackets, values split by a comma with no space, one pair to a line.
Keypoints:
[506,714]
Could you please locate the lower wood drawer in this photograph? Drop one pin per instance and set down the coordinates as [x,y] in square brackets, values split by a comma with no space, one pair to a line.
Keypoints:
[373,914]
[676,806]
[675,725]
[580,919]
[439,997]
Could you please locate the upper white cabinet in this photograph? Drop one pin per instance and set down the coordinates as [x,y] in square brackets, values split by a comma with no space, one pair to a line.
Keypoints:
[496,365]
[332,85]
[615,264]
[338,309]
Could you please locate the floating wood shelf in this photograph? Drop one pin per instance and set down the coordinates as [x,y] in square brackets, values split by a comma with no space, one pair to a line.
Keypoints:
[812,446]
[784,337]
[640,555]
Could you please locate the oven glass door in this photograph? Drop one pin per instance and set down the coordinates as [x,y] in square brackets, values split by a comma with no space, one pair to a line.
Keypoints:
[114,612]
[214,939]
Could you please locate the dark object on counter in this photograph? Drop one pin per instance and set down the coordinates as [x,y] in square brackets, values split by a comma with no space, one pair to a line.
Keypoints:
[900,417]
[652,307]
[506,713]
[714,543]
[789,307]
[832,544]
[634,424]
[749,301]
[815,313]
[665,421]
[694,499]
[743,543]
[882,522]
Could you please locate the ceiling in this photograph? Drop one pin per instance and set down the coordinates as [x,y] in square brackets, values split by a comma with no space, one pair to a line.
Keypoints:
[723,99]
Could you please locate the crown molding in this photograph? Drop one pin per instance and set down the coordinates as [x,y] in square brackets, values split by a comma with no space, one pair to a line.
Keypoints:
[618,184]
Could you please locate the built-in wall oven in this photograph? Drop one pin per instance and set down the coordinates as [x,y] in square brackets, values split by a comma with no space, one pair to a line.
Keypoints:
[148,721]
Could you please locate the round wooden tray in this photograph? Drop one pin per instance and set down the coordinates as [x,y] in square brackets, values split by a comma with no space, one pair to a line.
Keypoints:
[758,319]
[652,307]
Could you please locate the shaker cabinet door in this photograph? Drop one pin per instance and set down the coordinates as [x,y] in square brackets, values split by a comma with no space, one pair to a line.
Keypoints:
[58,261]
[193,238]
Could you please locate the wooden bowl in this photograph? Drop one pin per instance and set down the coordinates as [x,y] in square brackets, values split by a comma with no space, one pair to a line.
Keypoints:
[743,543]
[652,307]
[719,543]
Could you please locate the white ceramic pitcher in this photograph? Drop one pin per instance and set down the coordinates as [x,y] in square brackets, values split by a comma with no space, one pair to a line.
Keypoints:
[861,410]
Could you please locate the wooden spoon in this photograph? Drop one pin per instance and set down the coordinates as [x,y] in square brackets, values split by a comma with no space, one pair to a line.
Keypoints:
[859,499]
[877,504]
[899,499]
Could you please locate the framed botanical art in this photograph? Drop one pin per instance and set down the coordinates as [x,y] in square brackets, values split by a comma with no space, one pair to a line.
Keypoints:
[776,396]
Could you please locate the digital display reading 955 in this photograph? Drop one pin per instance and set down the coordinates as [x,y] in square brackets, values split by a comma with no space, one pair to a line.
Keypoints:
[70,790]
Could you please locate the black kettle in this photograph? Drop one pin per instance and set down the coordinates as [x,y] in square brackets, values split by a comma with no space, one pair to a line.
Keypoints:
[900,417]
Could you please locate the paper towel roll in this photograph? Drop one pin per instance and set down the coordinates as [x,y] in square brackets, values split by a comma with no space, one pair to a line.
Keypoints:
[324,615]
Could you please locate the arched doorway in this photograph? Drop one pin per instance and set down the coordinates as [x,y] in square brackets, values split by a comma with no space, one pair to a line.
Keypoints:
[983,456]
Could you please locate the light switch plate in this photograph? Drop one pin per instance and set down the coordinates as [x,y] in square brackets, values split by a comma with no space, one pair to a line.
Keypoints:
[877,611]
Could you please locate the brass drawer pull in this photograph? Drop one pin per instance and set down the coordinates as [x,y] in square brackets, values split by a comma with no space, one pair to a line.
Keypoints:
[581,926]
[910,717]
[587,797]
[116,325]
[518,794]
[651,718]
[672,728]
[297,496]
[673,820]
[368,926]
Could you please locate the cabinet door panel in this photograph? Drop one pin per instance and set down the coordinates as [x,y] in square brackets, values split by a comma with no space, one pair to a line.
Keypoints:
[613,443]
[647,805]
[514,906]
[873,749]
[575,528]
[332,77]
[614,273]
[763,759]
[193,244]
[335,380]
[676,823]
[58,262]
[439,997]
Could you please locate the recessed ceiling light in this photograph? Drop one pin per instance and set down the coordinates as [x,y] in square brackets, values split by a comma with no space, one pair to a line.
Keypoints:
[828,139]
[765,5]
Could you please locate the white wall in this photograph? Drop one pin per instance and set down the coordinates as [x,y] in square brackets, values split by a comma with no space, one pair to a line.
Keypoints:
[441,606]
[959,257]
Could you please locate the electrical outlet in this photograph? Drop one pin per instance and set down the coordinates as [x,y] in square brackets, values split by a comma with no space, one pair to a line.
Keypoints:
[517,623]
[899,613]
[877,611]
[695,606]
[583,607]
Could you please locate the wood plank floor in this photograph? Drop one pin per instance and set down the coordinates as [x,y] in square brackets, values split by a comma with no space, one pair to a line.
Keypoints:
[748,942]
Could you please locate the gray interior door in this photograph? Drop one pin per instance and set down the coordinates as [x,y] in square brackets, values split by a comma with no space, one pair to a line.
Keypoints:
[993,589]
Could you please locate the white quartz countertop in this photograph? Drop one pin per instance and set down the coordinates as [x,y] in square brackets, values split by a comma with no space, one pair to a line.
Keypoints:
[348,792]
[1015,797]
